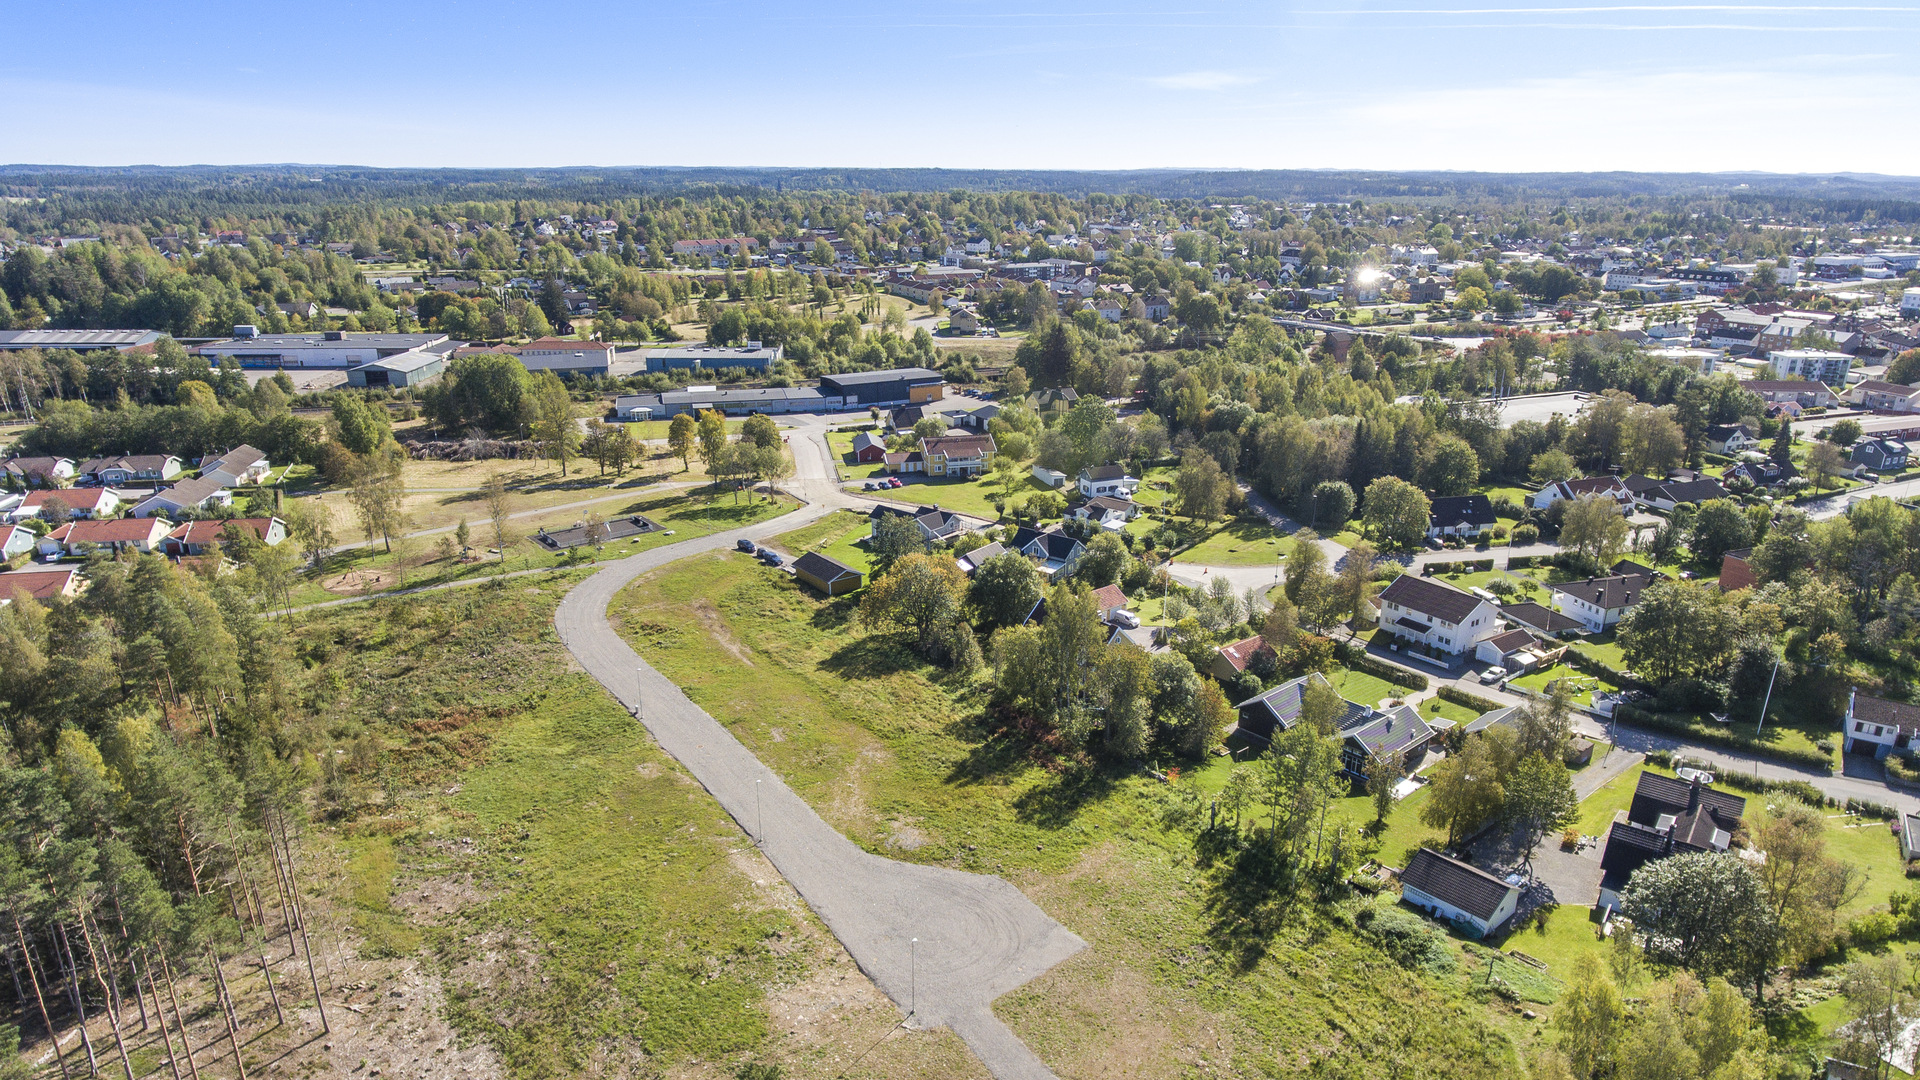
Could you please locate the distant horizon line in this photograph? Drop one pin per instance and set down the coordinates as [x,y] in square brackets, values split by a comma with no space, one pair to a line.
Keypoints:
[1151,169]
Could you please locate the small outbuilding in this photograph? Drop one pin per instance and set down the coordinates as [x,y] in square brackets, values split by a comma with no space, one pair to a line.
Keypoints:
[830,576]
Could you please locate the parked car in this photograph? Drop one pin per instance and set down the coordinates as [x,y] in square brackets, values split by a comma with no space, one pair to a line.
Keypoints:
[1493,675]
[745,545]
[771,557]
[896,482]
[1126,618]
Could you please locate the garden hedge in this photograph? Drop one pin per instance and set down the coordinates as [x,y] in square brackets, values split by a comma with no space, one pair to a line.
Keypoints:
[1452,693]
[1358,659]
[1637,717]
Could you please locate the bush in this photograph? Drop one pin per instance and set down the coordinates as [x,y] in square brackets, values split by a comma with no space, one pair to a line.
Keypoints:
[1357,659]
[1872,929]
[1869,808]
[1634,716]
[1903,768]
[1526,534]
[1450,692]
[1407,938]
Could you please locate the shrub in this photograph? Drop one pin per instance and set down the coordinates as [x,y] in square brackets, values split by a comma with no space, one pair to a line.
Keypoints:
[1450,692]
[1581,661]
[1407,938]
[1526,534]
[1869,808]
[1872,929]
[1902,768]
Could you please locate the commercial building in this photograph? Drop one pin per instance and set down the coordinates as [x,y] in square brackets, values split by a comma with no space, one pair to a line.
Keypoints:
[401,369]
[698,399]
[750,357]
[565,357]
[895,386]
[78,340]
[327,349]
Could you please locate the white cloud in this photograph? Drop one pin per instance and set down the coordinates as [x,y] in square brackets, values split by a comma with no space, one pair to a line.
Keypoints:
[1202,80]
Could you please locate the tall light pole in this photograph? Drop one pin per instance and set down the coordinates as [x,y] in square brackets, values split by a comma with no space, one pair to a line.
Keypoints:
[913,980]
[1769,698]
[759,819]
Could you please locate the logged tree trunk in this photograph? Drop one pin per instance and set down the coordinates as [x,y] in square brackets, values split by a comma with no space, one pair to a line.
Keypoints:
[293,894]
[159,1013]
[186,1036]
[39,998]
[74,995]
[226,1003]
[113,1009]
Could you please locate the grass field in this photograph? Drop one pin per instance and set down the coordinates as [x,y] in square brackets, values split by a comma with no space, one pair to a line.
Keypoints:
[415,562]
[841,444]
[518,837]
[893,753]
[1238,543]
[974,497]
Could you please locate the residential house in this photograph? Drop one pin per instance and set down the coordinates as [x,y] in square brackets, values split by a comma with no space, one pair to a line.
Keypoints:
[1819,365]
[1396,734]
[978,419]
[1878,396]
[1874,725]
[1909,830]
[186,496]
[1879,455]
[869,448]
[1055,553]
[830,576]
[905,461]
[1108,480]
[1668,816]
[1736,571]
[1599,602]
[1460,515]
[1106,511]
[1156,308]
[1229,661]
[1730,438]
[16,540]
[39,471]
[201,537]
[1056,400]
[1761,474]
[117,534]
[1673,493]
[1426,291]
[1464,895]
[903,418]
[131,468]
[1440,617]
[1540,619]
[40,583]
[957,455]
[963,320]
[80,503]
[973,560]
[1267,714]
[935,524]
[1609,487]
[240,465]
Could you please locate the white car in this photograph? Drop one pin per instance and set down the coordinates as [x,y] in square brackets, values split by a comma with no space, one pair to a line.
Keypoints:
[1493,675]
[1125,618]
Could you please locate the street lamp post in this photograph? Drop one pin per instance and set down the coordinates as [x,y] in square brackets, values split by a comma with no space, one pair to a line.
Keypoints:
[913,980]
[759,818]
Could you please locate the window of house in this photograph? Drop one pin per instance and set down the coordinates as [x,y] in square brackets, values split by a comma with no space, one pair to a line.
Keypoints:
[1879,729]
[1859,725]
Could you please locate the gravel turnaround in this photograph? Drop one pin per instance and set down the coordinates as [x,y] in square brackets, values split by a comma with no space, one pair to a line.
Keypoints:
[979,937]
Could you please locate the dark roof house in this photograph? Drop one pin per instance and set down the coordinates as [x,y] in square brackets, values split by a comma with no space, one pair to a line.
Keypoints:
[1458,892]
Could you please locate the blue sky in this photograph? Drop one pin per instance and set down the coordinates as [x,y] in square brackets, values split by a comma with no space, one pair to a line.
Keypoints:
[1450,84]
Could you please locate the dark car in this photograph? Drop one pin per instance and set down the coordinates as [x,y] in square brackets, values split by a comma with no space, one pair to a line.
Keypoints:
[771,557]
[745,545]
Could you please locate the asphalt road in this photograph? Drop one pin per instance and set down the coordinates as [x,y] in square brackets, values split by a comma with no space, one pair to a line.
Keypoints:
[941,943]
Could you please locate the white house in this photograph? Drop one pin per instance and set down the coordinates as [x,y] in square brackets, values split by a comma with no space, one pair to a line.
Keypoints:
[1730,438]
[1107,512]
[80,503]
[129,468]
[1599,602]
[1436,615]
[187,495]
[15,540]
[79,537]
[1878,726]
[1462,894]
[1910,303]
[1605,486]
[1110,480]
[240,465]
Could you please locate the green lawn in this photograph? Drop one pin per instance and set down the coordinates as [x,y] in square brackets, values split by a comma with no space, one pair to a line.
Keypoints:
[974,497]
[1457,713]
[1584,684]
[1603,648]
[650,430]
[1358,686]
[840,536]
[1597,809]
[841,444]
[896,755]
[1238,543]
